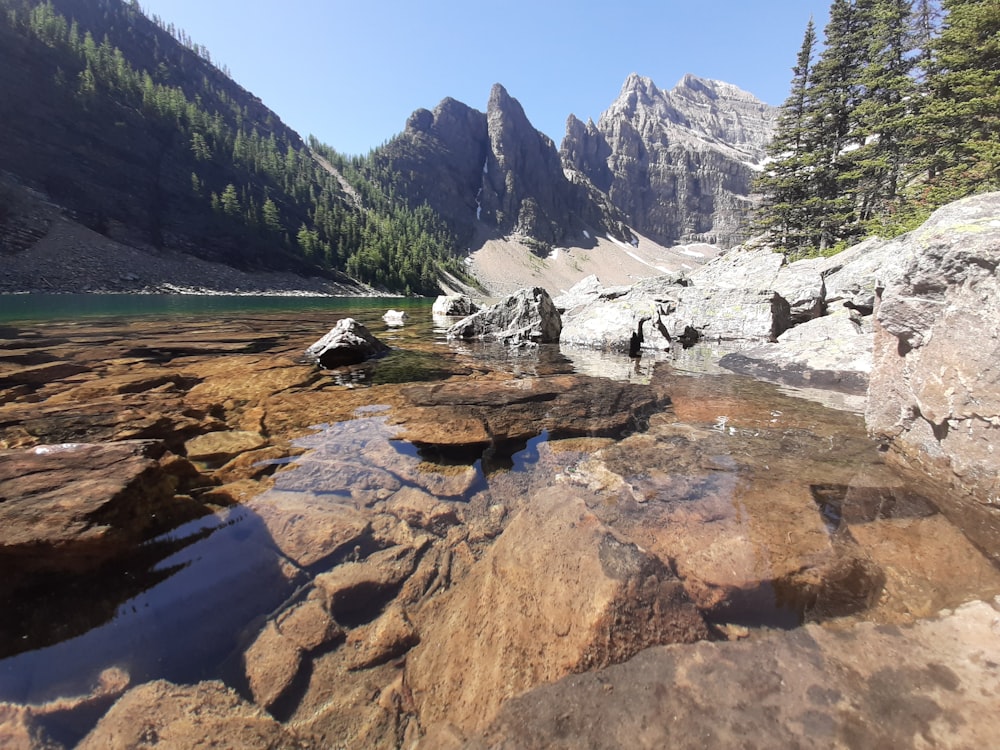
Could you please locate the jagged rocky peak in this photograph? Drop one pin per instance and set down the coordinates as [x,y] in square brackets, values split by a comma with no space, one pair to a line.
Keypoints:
[716,112]
[677,163]
[494,174]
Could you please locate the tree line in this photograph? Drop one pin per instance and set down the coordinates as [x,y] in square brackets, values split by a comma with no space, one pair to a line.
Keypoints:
[895,115]
[269,192]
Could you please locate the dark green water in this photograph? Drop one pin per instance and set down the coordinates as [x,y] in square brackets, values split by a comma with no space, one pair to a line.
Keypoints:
[40,307]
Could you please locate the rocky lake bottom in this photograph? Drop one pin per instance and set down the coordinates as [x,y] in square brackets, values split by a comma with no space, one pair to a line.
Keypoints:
[396,550]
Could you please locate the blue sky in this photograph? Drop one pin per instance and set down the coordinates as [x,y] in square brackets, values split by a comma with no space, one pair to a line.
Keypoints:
[351,71]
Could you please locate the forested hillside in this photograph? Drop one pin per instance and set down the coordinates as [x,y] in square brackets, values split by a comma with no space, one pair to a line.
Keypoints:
[129,125]
[896,115]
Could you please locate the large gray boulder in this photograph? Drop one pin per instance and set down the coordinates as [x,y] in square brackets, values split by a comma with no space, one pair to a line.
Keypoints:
[585,292]
[526,317]
[454,305]
[935,386]
[347,343]
[802,285]
[851,277]
[721,314]
[732,298]
[619,318]
[832,352]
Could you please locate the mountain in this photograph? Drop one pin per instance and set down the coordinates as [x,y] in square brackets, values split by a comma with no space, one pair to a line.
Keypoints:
[493,174]
[140,137]
[678,164]
[126,127]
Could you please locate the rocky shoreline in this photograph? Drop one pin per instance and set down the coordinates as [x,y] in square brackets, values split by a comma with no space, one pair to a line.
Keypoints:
[494,550]
[43,251]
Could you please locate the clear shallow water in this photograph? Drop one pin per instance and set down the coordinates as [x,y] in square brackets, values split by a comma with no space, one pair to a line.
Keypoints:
[733,465]
[43,307]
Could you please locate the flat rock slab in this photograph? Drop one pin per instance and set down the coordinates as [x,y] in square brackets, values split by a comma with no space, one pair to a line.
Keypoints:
[165,715]
[557,593]
[479,411]
[72,506]
[308,527]
[223,445]
[831,352]
[932,684]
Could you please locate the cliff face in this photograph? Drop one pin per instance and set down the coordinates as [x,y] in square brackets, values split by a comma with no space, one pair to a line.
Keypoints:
[677,163]
[495,173]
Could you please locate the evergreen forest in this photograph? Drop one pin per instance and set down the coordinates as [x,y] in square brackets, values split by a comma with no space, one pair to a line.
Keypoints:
[211,170]
[895,113]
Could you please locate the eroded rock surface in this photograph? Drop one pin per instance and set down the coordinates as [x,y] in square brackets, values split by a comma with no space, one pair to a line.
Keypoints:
[557,593]
[934,683]
[935,390]
[160,714]
[525,317]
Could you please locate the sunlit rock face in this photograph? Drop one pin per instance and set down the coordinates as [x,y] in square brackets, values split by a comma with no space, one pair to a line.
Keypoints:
[677,163]
[494,174]
[935,386]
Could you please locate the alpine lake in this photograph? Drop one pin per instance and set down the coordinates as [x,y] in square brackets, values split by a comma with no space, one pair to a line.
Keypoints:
[772,507]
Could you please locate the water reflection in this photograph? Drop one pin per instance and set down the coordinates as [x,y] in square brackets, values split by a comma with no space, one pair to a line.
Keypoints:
[772,509]
[204,598]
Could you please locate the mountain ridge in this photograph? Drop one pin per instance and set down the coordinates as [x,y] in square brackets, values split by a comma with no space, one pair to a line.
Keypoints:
[673,166]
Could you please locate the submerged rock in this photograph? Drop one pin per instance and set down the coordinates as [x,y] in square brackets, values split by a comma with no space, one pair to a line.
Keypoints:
[72,507]
[503,414]
[527,317]
[557,593]
[347,343]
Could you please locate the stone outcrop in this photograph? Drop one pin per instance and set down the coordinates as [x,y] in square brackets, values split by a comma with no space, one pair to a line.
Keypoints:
[527,317]
[167,715]
[620,319]
[454,305]
[493,173]
[557,593]
[926,684]
[72,507]
[935,388]
[730,314]
[832,352]
[347,343]
[678,164]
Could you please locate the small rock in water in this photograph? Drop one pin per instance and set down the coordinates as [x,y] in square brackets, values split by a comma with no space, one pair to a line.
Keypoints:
[395,318]
[347,343]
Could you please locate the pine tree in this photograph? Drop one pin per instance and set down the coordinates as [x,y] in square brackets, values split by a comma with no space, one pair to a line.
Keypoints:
[271,217]
[837,92]
[959,125]
[785,182]
[880,120]
[230,202]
